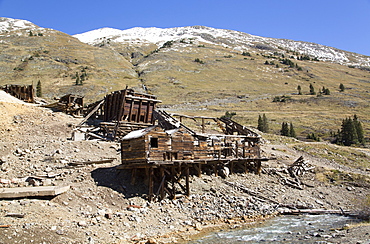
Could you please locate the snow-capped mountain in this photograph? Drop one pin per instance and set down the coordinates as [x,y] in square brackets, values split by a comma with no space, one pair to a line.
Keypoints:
[8,24]
[228,38]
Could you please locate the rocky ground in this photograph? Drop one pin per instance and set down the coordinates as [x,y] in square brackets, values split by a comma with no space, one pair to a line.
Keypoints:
[102,206]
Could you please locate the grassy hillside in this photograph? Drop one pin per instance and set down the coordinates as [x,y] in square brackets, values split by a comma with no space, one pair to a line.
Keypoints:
[195,78]
[54,58]
[210,80]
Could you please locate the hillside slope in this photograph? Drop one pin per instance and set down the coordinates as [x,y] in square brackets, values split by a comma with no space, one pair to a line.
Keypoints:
[195,70]
[30,53]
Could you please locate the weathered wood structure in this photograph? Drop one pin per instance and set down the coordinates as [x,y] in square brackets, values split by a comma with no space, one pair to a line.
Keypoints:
[69,104]
[22,92]
[167,153]
[121,112]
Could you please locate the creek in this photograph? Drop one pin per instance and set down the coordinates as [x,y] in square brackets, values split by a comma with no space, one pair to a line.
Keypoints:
[285,229]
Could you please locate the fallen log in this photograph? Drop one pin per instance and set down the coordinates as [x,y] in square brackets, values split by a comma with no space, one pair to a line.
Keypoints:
[15,215]
[39,191]
[104,161]
[4,226]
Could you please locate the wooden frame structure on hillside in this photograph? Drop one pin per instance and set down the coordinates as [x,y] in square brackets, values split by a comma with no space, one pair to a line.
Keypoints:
[121,112]
[22,92]
[167,153]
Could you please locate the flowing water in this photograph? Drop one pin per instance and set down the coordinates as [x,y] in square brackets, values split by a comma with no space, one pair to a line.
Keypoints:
[284,229]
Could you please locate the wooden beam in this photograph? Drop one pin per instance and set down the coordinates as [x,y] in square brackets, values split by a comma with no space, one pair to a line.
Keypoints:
[187,180]
[40,191]
[151,183]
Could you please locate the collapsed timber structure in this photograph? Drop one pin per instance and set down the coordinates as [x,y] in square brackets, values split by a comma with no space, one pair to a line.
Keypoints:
[118,114]
[70,104]
[162,149]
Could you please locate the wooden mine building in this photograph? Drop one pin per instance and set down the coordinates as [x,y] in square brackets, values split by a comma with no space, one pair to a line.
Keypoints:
[156,145]
[168,156]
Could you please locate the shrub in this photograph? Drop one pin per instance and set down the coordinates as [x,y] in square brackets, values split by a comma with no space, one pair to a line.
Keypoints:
[197,60]
[281,99]
[228,115]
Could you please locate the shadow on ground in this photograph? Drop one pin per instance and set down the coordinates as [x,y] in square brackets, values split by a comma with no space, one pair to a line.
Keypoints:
[120,181]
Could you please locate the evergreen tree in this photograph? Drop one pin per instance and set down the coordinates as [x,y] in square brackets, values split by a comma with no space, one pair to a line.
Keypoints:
[326,91]
[38,89]
[312,90]
[292,131]
[359,130]
[262,123]
[299,90]
[348,133]
[77,79]
[284,129]
[265,123]
[341,87]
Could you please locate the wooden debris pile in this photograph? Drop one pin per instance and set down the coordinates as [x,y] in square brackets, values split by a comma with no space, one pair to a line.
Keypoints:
[69,104]
[294,171]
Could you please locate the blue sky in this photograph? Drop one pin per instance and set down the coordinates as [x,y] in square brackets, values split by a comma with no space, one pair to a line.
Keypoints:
[342,24]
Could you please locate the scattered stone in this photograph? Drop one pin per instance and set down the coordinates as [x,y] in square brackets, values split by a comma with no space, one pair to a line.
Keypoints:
[82,223]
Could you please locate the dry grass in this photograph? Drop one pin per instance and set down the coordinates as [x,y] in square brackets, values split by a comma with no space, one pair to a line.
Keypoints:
[226,81]
[350,156]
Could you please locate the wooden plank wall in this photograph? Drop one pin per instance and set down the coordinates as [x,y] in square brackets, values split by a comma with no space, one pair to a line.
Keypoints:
[127,105]
[25,93]
[133,150]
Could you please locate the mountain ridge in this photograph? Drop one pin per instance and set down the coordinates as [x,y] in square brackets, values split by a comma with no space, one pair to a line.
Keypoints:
[237,40]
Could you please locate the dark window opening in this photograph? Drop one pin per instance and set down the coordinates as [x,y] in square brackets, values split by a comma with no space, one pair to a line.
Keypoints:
[154,142]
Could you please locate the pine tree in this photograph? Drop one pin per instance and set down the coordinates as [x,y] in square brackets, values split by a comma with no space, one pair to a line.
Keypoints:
[262,123]
[292,131]
[265,123]
[77,79]
[341,87]
[38,89]
[299,90]
[284,129]
[348,133]
[312,90]
[359,130]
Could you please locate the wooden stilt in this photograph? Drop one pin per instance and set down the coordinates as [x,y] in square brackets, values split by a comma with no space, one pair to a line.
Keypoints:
[173,190]
[133,176]
[162,186]
[151,183]
[187,180]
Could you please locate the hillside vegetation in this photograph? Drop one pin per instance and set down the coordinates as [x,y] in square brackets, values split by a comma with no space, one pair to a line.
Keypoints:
[207,76]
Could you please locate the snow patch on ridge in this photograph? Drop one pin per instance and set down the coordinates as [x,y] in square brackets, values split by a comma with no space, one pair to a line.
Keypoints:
[236,40]
[8,24]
